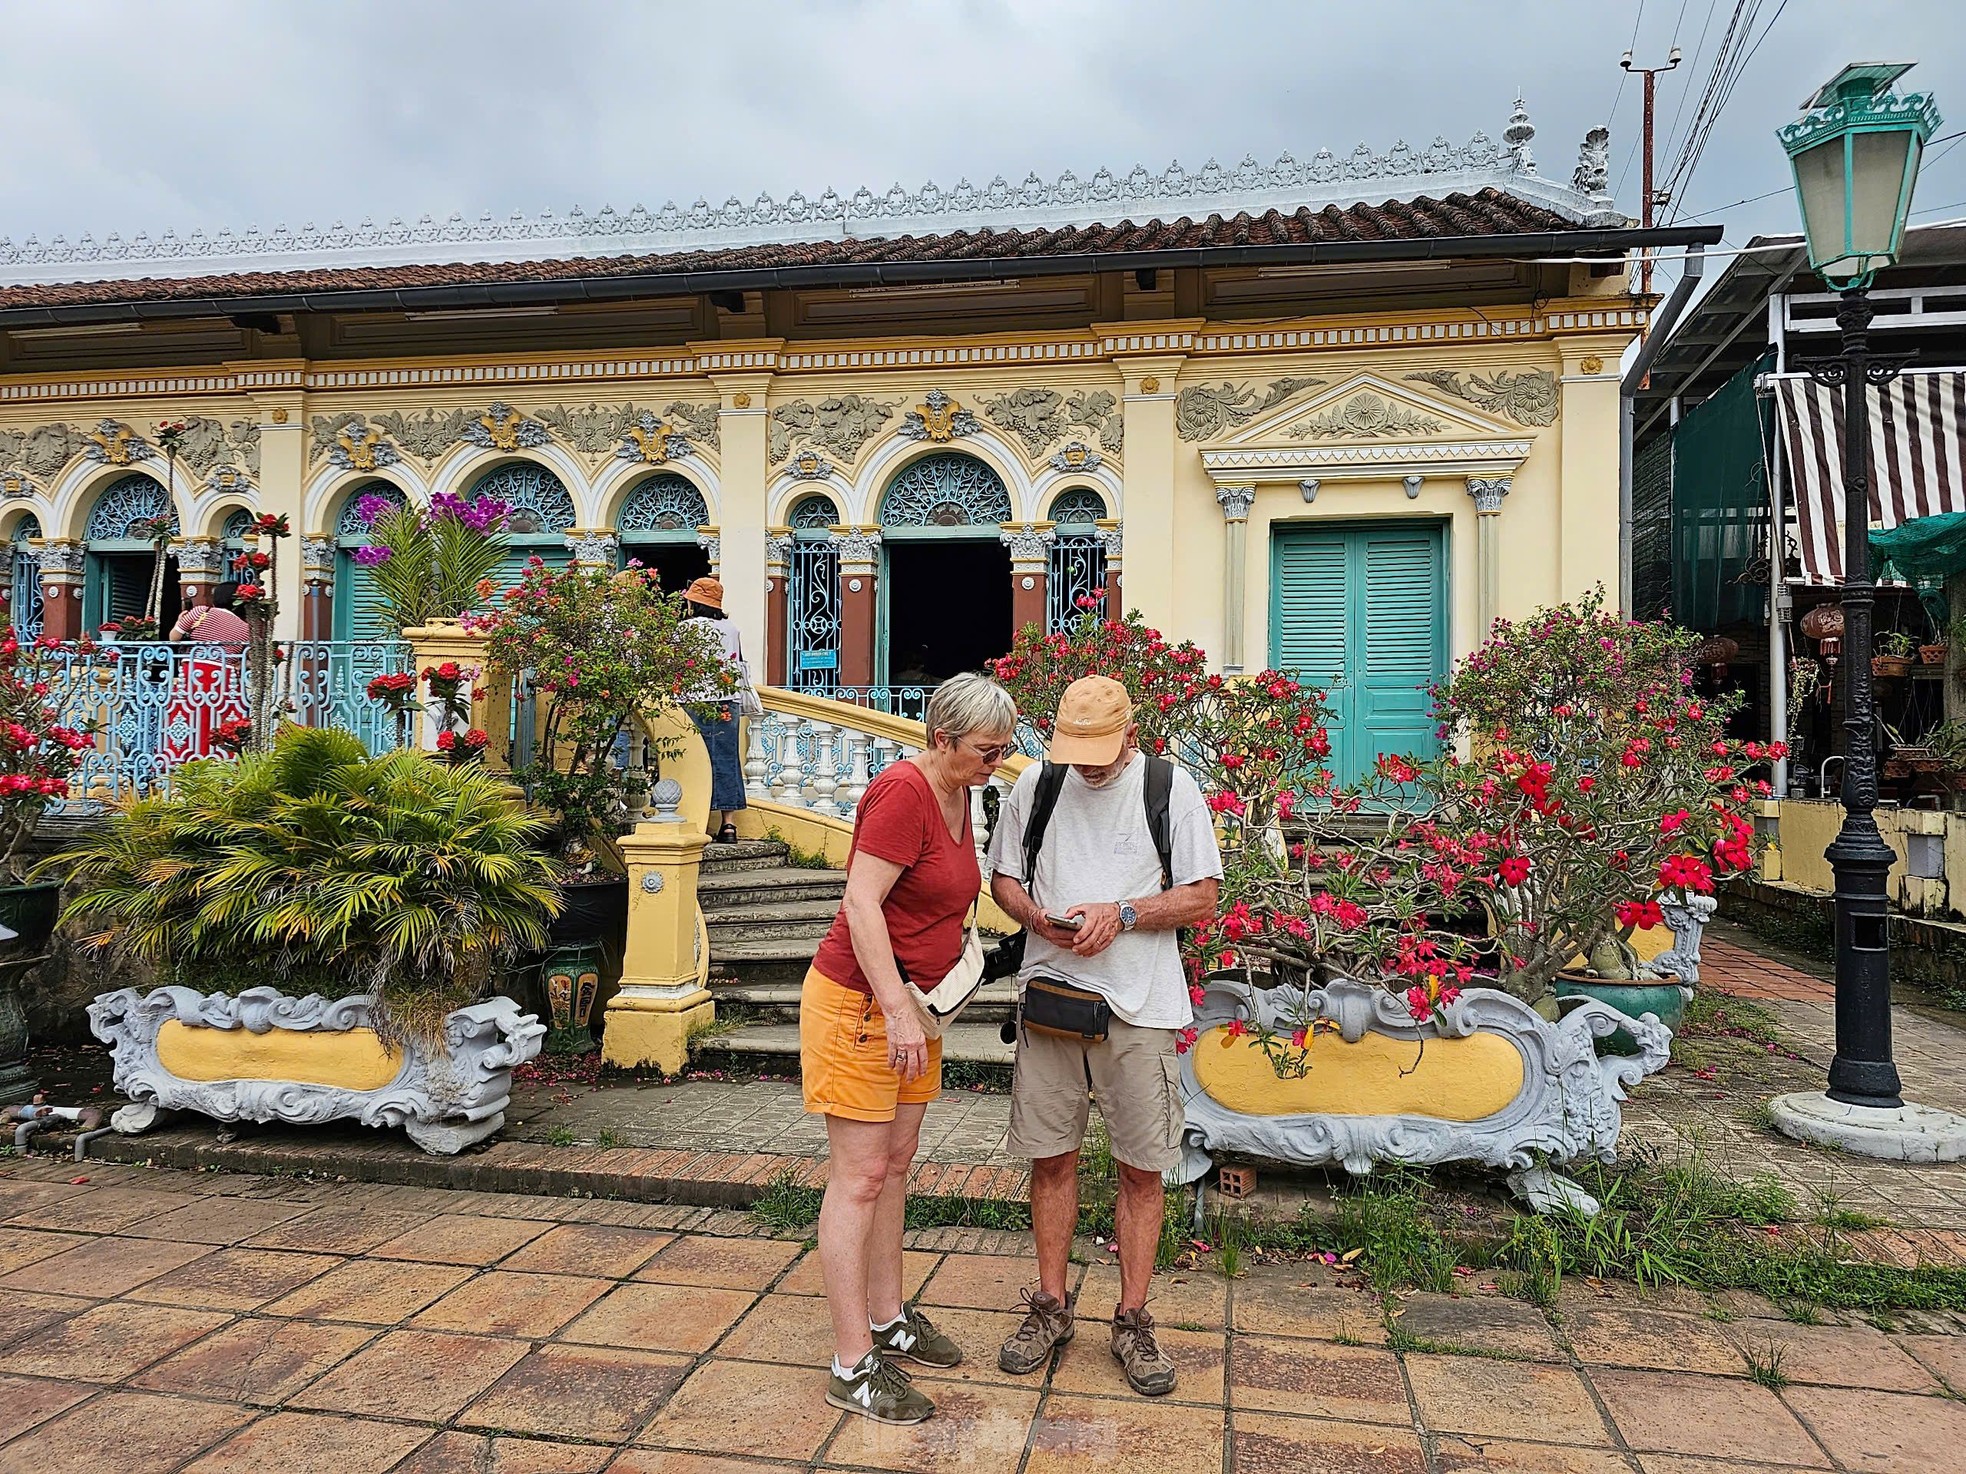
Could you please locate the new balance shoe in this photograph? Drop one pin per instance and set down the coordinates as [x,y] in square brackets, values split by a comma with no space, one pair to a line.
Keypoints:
[876,1388]
[915,1337]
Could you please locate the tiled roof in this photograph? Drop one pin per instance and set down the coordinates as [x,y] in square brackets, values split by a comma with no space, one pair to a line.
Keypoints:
[1489,212]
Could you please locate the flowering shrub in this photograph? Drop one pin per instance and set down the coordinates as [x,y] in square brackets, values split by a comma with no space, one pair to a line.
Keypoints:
[435,564]
[135,627]
[255,570]
[598,648]
[37,754]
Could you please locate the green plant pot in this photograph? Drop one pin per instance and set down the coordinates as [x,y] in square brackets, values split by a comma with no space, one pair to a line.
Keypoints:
[1661,998]
[30,910]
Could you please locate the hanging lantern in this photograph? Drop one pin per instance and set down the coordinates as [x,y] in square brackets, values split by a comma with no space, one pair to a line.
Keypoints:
[1715,653]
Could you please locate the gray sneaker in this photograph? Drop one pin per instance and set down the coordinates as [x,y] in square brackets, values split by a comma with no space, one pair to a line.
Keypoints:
[876,1388]
[1047,1324]
[1149,1370]
[915,1337]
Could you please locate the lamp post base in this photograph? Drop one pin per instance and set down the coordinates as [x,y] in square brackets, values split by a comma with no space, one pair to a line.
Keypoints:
[1908,1133]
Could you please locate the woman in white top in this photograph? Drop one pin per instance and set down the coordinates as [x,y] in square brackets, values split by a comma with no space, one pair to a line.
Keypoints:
[718,725]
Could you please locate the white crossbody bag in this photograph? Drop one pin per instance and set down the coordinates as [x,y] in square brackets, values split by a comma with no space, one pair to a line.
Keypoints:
[939,1006]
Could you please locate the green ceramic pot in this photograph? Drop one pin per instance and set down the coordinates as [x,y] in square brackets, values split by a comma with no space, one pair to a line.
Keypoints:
[30,910]
[1659,997]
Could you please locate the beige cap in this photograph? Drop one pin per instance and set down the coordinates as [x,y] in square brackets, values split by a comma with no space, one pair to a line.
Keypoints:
[707,591]
[1093,716]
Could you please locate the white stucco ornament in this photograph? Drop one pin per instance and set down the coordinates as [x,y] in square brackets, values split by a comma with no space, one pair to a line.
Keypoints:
[443,1102]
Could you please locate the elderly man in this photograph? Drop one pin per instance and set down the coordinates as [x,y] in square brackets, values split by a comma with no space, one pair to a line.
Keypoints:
[1102,854]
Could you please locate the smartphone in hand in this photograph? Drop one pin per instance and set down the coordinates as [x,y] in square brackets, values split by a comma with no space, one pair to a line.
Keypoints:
[1064,923]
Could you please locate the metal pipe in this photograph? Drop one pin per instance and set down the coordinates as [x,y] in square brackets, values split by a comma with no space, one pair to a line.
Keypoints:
[1628,387]
[1778,593]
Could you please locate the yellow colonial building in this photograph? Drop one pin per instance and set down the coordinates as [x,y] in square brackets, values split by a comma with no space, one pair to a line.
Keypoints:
[1333,414]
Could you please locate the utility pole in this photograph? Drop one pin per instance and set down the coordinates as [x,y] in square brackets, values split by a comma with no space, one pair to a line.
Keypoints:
[1649,201]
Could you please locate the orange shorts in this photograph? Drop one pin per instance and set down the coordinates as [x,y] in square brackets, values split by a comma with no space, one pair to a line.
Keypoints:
[843,1064]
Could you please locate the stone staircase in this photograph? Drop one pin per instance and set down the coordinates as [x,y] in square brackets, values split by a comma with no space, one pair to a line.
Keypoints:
[766,917]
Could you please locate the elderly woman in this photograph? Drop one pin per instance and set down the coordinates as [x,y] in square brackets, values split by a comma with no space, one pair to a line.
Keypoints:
[867,1063]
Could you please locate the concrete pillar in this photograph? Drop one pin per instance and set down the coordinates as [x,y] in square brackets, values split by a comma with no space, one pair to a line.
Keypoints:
[739,555]
[1236,502]
[1587,422]
[317,590]
[1148,516]
[491,702]
[63,560]
[860,554]
[201,566]
[594,547]
[1030,561]
[778,574]
[1488,492]
[282,486]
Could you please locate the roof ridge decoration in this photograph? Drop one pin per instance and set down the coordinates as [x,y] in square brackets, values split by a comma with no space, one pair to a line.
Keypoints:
[1106,198]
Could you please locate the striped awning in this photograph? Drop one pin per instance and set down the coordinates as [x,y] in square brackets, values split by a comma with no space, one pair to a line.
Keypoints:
[1917,453]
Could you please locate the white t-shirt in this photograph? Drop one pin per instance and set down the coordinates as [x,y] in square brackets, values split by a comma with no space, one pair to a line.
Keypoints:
[726,631]
[1098,848]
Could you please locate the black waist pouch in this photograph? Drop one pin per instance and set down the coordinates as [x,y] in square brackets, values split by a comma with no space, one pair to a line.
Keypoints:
[1054,1006]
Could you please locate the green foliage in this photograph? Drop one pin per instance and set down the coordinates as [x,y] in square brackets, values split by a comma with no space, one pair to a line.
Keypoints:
[440,563]
[785,1207]
[315,868]
[1387,1220]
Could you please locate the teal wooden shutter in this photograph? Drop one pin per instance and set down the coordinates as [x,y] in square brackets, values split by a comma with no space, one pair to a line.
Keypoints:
[1309,592]
[358,613]
[1399,640]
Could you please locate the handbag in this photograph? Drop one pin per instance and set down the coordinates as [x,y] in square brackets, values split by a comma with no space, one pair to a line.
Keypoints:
[940,1005]
[748,702]
[1054,1006]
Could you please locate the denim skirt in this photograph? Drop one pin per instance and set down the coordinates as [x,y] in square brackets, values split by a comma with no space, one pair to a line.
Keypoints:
[719,731]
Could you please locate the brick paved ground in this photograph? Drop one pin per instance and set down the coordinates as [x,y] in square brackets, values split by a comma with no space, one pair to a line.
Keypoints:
[161,1321]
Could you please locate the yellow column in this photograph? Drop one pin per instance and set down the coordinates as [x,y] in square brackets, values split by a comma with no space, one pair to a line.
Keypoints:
[1588,426]
[662,1001]
[1488,492]
[1148,515]
[746,473]
[446,639]
[1236,502]
[282,483]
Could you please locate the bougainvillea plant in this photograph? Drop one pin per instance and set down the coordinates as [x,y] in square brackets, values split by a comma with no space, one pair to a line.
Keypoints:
[435,564]
[38,754]
[598,649]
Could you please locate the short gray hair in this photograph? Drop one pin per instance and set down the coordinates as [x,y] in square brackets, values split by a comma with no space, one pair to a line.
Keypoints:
[969,703]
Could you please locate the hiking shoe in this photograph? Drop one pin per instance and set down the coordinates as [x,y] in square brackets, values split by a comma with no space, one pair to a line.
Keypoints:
[1149,1370]
[876,1388]
[915,1337]
[1047,1323]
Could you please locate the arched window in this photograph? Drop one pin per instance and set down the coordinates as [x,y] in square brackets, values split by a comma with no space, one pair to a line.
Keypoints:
[122,561]
[233,534]
[657,527]
[125,502]
[358,613]
[1079,505]
[812,597]
[946,490]
[24,599]
[536,526]
[1076,566]
[814,513]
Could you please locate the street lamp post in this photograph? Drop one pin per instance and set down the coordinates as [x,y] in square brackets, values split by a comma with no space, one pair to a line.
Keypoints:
[1855,153]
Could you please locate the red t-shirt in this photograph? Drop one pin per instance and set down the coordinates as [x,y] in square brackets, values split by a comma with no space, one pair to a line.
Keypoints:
[899,819]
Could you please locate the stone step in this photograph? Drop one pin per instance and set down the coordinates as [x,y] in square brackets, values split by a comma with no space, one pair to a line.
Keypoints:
[745,854]
[725,934]
[765,913]
[779,1003]
[763,960]
[778,885]
[774,1047]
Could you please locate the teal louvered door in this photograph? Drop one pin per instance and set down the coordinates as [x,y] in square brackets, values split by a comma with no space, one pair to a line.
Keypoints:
[358,613]
[1362,612]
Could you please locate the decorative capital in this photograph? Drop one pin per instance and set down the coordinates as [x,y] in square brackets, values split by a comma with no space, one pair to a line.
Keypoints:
[778,551]
[596,548]
[1026,543]
[317,558]
[63,561]
[1236,502]
[859,549]
[1111,537]
[200,558]
[713,545]
[1488,492]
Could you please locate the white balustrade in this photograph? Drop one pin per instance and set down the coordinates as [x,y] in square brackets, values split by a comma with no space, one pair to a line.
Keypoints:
[756,765]
[857,777]
[825,769]
[791,779]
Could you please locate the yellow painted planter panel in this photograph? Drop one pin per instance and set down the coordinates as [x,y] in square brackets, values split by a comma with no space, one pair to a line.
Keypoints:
[352,1059]
[1458,1080]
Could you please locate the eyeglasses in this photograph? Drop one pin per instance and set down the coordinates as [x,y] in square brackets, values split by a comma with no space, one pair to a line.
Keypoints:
[995,753]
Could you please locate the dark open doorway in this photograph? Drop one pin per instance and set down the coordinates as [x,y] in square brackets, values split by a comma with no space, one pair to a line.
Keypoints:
[675,564]
[121,587]
[948,607]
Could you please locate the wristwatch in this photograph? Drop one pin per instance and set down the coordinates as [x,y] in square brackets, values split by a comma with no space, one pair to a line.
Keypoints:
[1128,916]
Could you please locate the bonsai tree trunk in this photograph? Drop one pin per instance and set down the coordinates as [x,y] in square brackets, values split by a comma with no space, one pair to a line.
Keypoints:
[1955,696]
[153,608]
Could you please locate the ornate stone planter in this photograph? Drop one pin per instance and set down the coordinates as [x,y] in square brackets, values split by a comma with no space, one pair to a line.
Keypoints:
[262,1056]
[1496,1083]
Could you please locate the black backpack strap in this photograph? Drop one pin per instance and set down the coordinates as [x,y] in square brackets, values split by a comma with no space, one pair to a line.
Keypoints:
[1051,783]
[1159,785]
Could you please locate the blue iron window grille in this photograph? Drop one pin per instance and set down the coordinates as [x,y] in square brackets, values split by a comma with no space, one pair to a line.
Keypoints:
[814,513]
[1075,568]
[24,605]
[349,526]
[1078,507]
[813,613]
[233,534]
[538,499]
[125,502]
[667,503]
[945,490]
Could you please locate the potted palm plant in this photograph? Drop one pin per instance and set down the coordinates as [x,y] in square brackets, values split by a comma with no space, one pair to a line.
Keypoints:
[327,927]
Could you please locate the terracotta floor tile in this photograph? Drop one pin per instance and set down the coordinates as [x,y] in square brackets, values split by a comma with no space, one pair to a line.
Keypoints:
[110,1342]
[654,1317]
[1193,1301]
[1500,1399]
[1266,1444]
[17,1197]
[589,1249]
[1609,1335]
[976,1429]
[1273,1375]
[104,1267]
[670,1461]
[461,1238]
[375,1292]
[23,1312]
[729,1264]
[1073,1435]
[806,1279]
[338,1230]
[1088,1364]
[102,1210]
[483,1453]
[741,1407]
[20,1247]
[793,1329]
[235,1279]
[1482,1323]
[1465,1454]
[1883,1432]
[979,1334]
[262,1361]
[1666,1412]
[980,1281]
[297,1442]
[26,1401]
[578,1392]
[496,1303]
[217,1220]
[1944,1355]
[1326,1315]
[127,1432]
[425,1375]
[1680,1464]
[1834,1356]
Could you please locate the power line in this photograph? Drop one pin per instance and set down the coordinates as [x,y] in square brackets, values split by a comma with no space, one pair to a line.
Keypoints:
[1731,62]
[1672,130]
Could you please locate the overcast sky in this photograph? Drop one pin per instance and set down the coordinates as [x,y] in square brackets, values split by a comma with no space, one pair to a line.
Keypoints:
[132,115]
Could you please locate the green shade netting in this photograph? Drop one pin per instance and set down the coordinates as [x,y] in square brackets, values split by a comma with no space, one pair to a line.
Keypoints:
[1923,552]
[1720,505]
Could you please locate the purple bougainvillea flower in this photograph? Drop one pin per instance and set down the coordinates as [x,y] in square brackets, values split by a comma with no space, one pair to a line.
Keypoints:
[372,557]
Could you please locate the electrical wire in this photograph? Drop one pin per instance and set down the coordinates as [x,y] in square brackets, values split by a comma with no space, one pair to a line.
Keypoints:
[1727,62]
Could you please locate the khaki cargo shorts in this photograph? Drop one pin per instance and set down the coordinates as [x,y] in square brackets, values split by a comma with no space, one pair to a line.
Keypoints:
[1133,1074]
